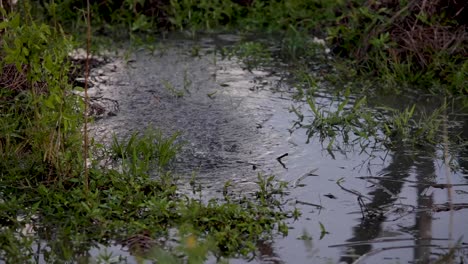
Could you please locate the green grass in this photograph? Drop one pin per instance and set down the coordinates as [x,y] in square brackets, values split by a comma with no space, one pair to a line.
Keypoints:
[362,32]
[344,121]
[127,203]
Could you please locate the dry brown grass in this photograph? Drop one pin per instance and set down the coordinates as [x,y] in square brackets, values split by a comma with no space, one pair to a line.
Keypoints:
[419,30]
[423,31]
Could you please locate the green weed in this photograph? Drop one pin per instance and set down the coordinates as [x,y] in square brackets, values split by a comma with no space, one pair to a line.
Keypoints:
[404,126]
[399,42]
[207,14]
[39,116]
[251,54]
[126,205]
[340,119]
[323,231]
[141,152]
[172,90]
[353,123]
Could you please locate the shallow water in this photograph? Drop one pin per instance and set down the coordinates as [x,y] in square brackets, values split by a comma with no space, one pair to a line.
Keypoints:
[237,123]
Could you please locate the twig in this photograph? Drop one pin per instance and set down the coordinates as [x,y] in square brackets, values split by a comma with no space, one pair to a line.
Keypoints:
[279,160]
[358,194]
[310,173]
[379,250]
[383,240]
[86,140]
[434,185]
[307,203]
[449,207]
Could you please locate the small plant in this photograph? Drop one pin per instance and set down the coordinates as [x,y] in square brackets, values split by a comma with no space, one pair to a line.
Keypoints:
[403,126]
[356,124]
[295,44]
[150,148]
[323,231]
[269,188]
[252,54]
[340,119]
[171,89]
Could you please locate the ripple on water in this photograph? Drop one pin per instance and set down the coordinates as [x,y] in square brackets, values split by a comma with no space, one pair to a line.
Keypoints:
[235,124]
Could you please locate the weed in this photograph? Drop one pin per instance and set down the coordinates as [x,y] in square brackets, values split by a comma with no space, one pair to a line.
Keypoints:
[402,126]
[41,110]
[401,41]
[172,90]
[354,123]
[323,231]
[129,207]
[295,44]
[251,54]
[141,152]
[268,189]
[340,119]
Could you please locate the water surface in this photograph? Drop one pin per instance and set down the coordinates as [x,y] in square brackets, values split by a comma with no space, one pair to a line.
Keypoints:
[236,123]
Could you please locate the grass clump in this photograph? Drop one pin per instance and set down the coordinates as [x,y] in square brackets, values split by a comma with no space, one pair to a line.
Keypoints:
[39,117]
[353,122]
[140,151]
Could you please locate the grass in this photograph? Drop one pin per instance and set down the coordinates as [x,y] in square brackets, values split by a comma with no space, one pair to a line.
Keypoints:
[173,90]
[251,54]
[127,205]
[407,43]
[348,121]
[139,151]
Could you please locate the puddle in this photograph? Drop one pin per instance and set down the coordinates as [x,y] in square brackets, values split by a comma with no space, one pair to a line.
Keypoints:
[236,123]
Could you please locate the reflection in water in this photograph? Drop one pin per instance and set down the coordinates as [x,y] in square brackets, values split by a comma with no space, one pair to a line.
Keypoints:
[463,153]
[386,194]
[423,228]
[267,252]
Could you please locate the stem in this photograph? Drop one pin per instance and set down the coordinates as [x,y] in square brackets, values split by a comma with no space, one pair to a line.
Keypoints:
[448,173]
[86,106]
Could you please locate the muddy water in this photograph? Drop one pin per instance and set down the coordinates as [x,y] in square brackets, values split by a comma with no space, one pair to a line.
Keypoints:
[236,123]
